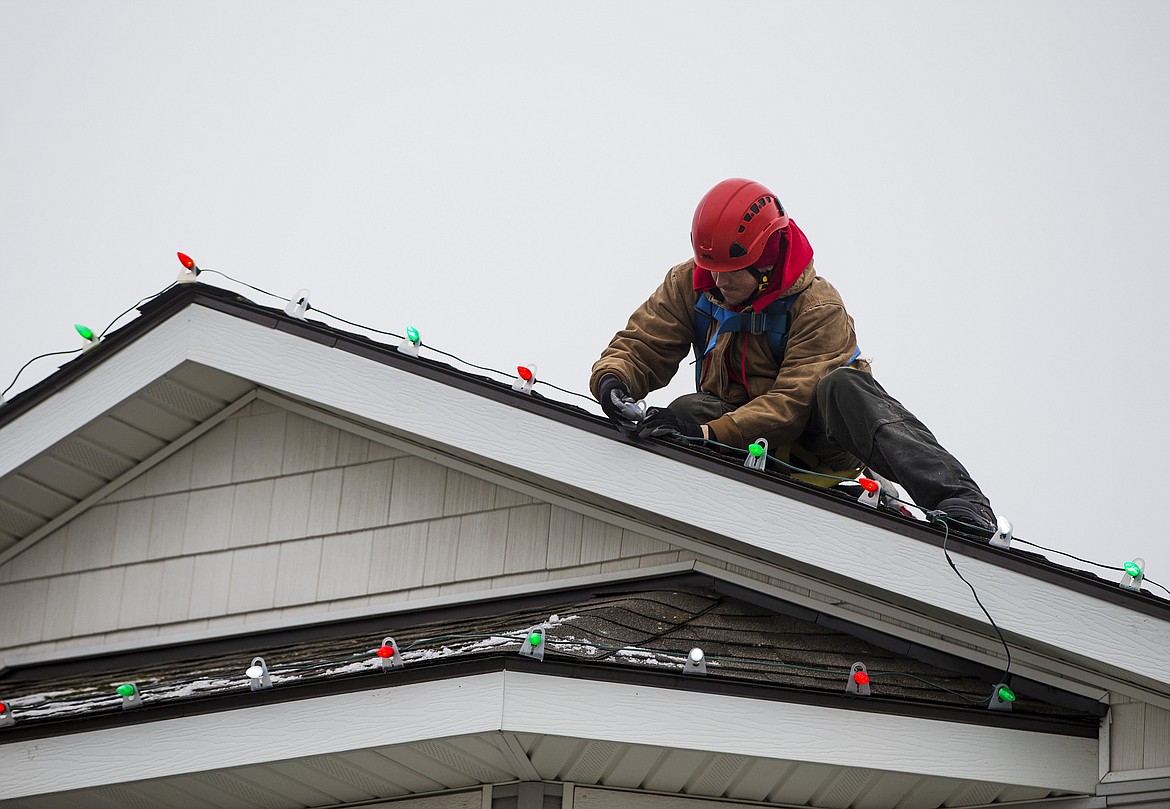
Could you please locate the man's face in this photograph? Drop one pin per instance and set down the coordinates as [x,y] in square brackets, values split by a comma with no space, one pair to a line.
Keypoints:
[737,287]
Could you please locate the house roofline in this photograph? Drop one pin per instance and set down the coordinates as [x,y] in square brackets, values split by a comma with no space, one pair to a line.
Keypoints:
[177,297]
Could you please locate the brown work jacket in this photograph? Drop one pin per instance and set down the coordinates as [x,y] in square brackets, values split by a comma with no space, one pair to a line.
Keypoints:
[776,401]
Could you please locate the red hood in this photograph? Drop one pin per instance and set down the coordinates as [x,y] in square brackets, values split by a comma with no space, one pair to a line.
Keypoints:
[795,254]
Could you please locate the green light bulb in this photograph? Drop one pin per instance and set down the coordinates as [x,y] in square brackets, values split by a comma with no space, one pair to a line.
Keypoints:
[126,690]
[756,450]
[534,638]
[412,335]
[1133,569]
[85,331]
[1006,694]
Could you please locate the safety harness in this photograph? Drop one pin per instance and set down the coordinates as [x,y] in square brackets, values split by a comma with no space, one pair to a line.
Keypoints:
[773,322]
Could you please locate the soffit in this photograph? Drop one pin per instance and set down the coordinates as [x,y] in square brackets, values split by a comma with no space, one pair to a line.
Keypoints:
[107,450]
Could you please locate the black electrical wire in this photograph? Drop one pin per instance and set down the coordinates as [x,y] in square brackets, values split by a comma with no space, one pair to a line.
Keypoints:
[1007,650]
[430,348]
[242,283]
[790,467]
[76,350]
[936,517]
[132,308]
[34,359]
[439,641]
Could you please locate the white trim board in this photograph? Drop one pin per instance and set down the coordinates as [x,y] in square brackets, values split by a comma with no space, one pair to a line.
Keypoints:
[547,448]
[535,704]
[102,388]
[526,444]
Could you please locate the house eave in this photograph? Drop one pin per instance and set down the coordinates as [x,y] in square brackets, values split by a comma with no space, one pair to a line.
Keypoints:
[564,450]
[539,704]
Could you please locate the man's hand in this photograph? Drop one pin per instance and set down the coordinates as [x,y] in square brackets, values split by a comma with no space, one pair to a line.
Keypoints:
[618,404]
[662,421]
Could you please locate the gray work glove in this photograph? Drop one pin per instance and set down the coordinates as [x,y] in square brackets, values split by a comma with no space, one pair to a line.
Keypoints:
[618,404]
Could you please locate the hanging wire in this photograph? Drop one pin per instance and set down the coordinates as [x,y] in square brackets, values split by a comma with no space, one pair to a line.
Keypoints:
[77,350]
[935,516]
[243,283]
[135,306]
[1089,562]
[430,348]
[34,359]
[946,536]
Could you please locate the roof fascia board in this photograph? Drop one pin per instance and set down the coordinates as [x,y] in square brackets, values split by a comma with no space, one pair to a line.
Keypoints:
[786,730]
[525,703]
[87,396]
[518,440]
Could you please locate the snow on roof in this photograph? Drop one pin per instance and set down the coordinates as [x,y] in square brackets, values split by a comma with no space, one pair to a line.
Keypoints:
[650,630]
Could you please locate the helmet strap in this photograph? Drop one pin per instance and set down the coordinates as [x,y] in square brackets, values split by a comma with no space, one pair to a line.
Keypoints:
[762,276]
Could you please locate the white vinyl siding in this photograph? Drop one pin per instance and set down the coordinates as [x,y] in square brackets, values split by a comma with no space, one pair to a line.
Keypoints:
[1139,736]
[271,511]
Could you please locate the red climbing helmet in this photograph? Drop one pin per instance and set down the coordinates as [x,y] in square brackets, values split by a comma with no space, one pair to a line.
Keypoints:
[732,225]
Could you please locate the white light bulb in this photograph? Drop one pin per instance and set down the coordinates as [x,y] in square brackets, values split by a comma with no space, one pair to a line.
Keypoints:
[696,655]
[254,672]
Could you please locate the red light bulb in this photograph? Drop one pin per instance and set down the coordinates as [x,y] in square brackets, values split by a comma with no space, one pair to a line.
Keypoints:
[524,372]
[386,651]
[186,260]
[860,677]
[870,486]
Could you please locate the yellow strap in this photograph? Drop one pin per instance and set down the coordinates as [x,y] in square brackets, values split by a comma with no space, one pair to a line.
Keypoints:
[819,474]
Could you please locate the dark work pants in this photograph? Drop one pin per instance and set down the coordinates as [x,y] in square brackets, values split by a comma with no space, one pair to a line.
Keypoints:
[854,423]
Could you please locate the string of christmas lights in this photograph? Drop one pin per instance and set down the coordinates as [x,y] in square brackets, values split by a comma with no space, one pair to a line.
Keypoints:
[192,271]
[82,330]
[755,450]
[397,336]
[368,660]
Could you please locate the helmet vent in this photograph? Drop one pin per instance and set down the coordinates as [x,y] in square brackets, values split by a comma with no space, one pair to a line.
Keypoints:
[756,206]
[736,250]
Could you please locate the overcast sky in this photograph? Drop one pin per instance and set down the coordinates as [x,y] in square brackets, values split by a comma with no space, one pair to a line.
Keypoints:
[986,184]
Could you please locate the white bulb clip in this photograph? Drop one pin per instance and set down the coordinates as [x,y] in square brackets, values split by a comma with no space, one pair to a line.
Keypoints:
[257,673]
[299,305]
[696,662]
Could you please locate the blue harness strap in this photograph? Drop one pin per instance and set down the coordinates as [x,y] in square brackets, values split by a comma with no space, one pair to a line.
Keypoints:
[773,322]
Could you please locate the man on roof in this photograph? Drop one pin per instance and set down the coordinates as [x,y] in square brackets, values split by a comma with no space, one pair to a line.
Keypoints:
[776,357]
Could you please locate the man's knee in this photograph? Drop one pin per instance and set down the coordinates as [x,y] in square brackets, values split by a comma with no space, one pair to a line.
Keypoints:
[700,407]
[841,382]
